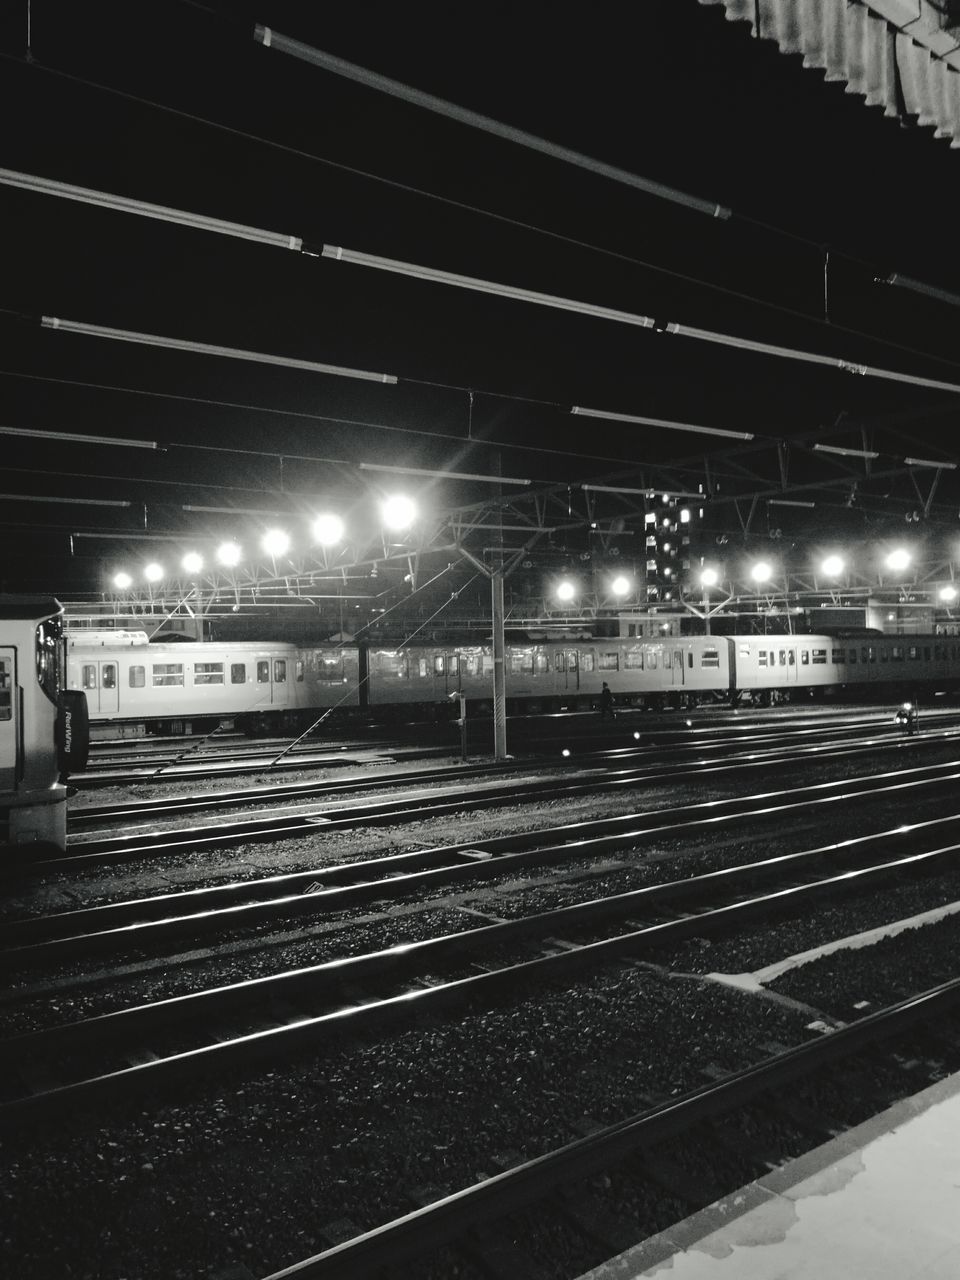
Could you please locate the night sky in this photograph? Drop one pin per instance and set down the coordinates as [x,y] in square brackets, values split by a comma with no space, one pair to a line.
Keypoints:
[173,102]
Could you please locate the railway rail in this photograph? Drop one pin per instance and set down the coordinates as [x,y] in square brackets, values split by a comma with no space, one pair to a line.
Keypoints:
[402,981]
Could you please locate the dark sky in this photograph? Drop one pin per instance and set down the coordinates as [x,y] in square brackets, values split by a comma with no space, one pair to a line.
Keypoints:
[173,102]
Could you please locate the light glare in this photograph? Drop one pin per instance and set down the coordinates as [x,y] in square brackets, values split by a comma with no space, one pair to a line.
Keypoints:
[153,572]
[898,560]
[276,542]
[192,562]
[229,553]
[398,512]
[565,591]
[709,578]
[327,529]
[761,572]
[948,594]
[620,586]
[122,581]
[833,566]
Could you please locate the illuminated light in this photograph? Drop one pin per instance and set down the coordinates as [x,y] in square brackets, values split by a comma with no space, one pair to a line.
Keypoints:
[153,572]
[565,752]
[398,512]
[276,542]
[684,515]
[636,736]
[689,724]
[620,586]
[566,590]
[833,566]
[328,530]
[898,560]
[761,572]
[709,577]
[846,453]
[658,422]
[891,617]
[73,437]
[192,562]
[930,462]
[948,594]
[666,522]
[229,553]
[122,581]
[666,546]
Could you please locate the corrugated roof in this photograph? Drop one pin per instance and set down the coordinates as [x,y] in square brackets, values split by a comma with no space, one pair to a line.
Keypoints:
[898,54]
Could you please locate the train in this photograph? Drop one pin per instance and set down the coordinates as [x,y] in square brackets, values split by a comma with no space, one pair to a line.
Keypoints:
[43,728]
[136,686]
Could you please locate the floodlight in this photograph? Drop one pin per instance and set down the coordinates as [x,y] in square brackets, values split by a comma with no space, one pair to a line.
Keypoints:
[327,529]
[398,512]
[761,572]
[566,590]
[228,553]
[948,594]
[620,586]
[153,572]
[275,542]
[709,577]
[833,566]
[122,581]
[898,560]
[192,562]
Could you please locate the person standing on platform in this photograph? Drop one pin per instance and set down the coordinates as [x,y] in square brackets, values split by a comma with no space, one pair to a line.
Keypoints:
[606,703]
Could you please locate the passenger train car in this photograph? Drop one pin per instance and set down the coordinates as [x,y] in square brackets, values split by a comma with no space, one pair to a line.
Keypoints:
[42,730]
[132,684]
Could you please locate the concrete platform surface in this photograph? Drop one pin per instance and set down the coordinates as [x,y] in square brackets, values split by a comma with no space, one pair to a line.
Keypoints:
[879,1202]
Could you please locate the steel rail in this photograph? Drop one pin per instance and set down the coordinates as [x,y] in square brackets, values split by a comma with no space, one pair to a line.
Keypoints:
[322,979]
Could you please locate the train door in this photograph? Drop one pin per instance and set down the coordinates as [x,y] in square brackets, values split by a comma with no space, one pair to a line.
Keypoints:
[678,672]
[9,716]
[101,684]
[788,674]
[272,680]
[572,670]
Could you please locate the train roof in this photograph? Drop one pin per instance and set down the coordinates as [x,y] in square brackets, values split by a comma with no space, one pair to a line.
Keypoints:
[29,608]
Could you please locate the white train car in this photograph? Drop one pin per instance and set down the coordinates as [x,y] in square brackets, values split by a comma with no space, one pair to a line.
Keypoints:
[33,799]
[132,685]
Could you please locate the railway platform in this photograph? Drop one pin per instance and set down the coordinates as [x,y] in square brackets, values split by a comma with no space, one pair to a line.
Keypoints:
[880,1201]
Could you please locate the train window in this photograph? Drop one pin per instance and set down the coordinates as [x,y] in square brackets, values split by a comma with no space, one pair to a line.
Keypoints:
[710,658]
[762,658]
[804,658]
[238,673]
[488,664]
[926,653]
[897,653]
[609,662]
[690,658]
[666,661]
[453,664]
[587,660]
[472,663]
[165,673]
[6,689]
[541,664]
[853,655]
[839,656]
[913,653]
[330,667]
[871,653]
[438,664]
[521,662]
[783,657]
[208,673]
[819,655]
[864,653]
[137,677]
[300,670]
[884,655]
[263,672]
[422,666]
[651,661]
[633,659]
[631,629]
[89,675]
[279,670]
[109,675]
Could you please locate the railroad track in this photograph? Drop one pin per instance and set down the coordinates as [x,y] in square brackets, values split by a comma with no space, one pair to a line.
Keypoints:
[315,1004]
[396,809]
